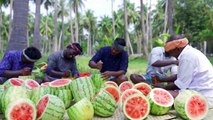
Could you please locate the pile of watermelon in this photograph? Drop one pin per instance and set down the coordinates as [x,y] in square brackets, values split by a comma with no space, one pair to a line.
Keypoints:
[84,97]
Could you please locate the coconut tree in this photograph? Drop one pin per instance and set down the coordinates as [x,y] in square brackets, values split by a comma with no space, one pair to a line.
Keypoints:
[18,39]
[113,19]
[71,24]
[55,38]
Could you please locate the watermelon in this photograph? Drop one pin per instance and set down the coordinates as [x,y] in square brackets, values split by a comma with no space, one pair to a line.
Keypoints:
[111,83]
[85,74]
[30,84]
[50,107]
[82,110]
[45,84]
[125,85]
[21,109]
[160,101]
[13,82]
[136,107]
[12,94]
[82,87]
[65,96]
[127,93]
[60,84]
[143,87]
[190,104]
[27,77]
[97,81]
[38,92]
[114,91]
[104,104]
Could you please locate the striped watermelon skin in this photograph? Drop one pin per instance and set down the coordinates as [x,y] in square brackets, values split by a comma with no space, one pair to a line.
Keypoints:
[12,94]
[97,81]
[37,93]
[104,104]
[65,96]
[82,110]
[60,87]
[54,110]
[82,87]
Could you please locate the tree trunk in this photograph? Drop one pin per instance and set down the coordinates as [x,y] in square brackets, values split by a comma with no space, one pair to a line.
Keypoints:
[55,38]
[113,20]
[1,41]
[46,34]
[76,23]
[11,18]
[138,43]
[144,41]
[18,39]
[37,34]
[204,47]
[165,18]
[170,16]
[62,20]
[71,27]
[126,26]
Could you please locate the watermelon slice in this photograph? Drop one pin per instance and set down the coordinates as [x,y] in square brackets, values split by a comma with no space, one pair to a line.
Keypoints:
[21,109]
[143,87]
[60,84]
[160,100]
[192,105]
[45,84]
[50,107]
[125,85]
[114,92]
[127,93]
[30,84]
[111,83]
[82,110]
[136,107]
[13,82]
[85,74]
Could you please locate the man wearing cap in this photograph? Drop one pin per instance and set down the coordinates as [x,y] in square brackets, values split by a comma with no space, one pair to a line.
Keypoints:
[112,61]
[62,64]
[18,63]
[160,63]
[195,72]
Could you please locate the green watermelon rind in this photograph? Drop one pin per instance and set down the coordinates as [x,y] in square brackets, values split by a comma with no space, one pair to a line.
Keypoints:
[17,102]
[180,103]
[121,101]
[54,110]
[156,108]
[66,86]
[39,92]
[125,82]
[116,89]
[66,96]
[104,104]
[132,96]
[142,84]
[82,110]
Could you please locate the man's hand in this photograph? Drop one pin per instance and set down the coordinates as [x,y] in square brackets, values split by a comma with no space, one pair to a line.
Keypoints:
[99,65]
[176,62]
[66,73]
[26,71]
[106,75]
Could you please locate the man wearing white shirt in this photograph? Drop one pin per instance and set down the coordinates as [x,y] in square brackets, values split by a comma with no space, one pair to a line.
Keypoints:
[158,66]
[195,72]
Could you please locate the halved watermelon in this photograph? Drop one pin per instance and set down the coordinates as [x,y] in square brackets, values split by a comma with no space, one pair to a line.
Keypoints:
[160,100]
[13,82]
[21,109]
[30,84]
[143,87]
[125,85]
[136,107]
[114,91]
[60,84]
[127,93]
[190,104]
[45,84]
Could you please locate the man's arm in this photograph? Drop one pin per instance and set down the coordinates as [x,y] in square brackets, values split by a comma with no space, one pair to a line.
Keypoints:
[160,63]
[107,74]
[95,65]
[95,62]
[167,87]
[171,78]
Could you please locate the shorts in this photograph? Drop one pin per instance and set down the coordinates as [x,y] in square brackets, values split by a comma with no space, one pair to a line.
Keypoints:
[149,79]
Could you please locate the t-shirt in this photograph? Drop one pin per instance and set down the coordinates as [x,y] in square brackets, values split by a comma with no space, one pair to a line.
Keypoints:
[111,62]
[195,73]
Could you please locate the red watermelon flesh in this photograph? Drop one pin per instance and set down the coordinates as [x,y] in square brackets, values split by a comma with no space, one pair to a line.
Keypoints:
[162,98]
[16,82]
[143,87]
[111,83]
[127,93]
[114,92]
[41,106]
[136,106]
[31,84]
[86,74]
[196,106]
[60,82]
[45,84]
[125,85]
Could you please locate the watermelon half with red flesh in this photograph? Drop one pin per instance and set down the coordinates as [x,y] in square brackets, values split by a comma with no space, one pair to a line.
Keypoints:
[45,84]
[127,93]
[60,84]
[114,92]
[13,82]
[192,105]
[143,87]
[125,85]
[30,84]
[22,109]
[136,107]
[160,100]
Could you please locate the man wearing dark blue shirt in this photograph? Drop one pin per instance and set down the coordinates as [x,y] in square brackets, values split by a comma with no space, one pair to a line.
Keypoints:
[112,61]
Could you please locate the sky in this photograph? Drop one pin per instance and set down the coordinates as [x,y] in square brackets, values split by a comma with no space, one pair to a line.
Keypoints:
[99,7]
